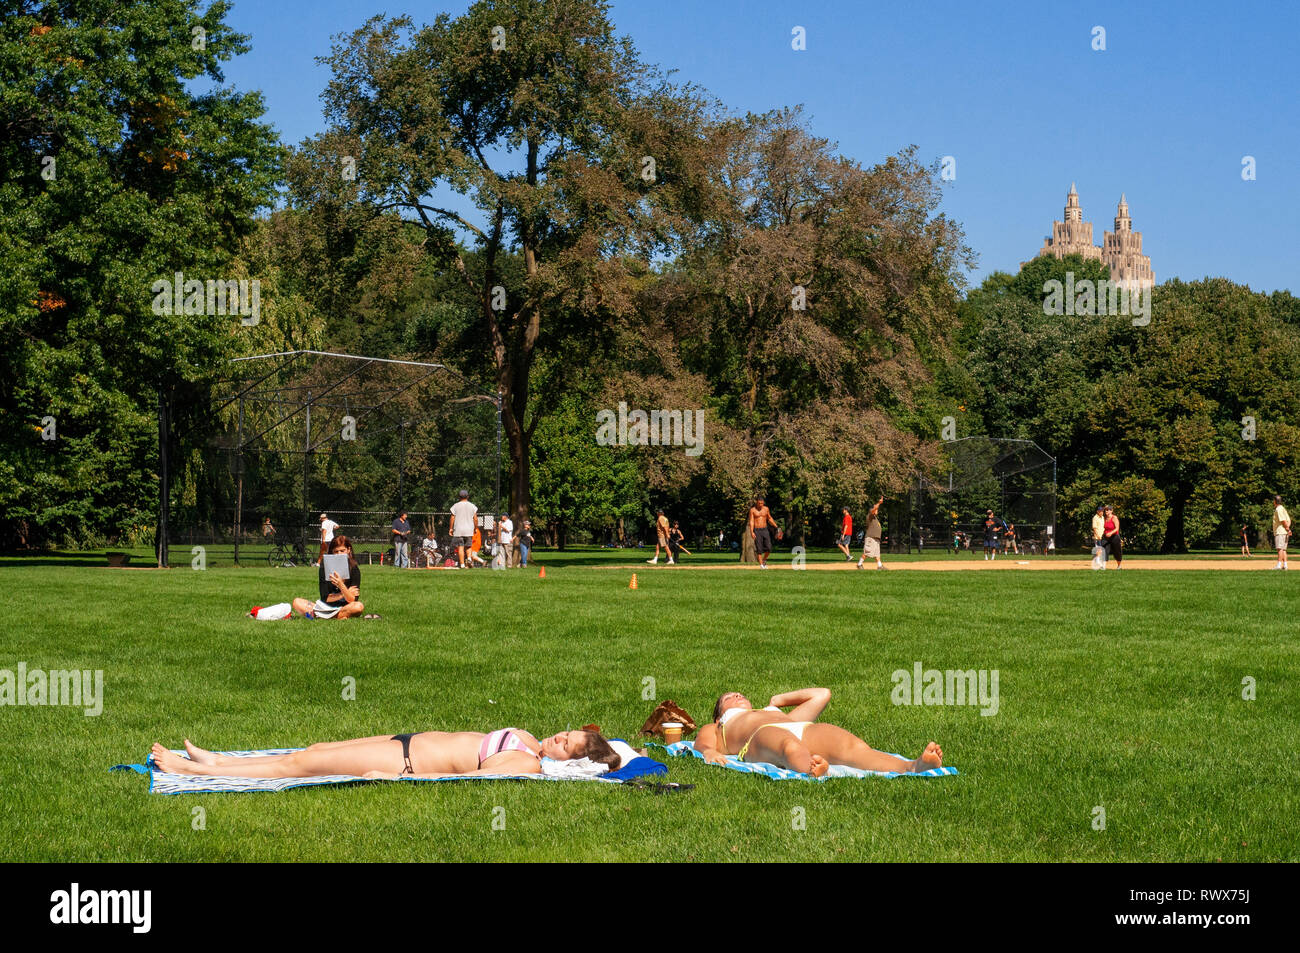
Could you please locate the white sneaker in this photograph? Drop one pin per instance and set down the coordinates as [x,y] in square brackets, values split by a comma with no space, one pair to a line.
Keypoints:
[671,563]
[654,561]
[859,563]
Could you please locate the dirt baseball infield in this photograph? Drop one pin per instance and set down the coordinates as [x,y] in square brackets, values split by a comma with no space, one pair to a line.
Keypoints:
[1046,564]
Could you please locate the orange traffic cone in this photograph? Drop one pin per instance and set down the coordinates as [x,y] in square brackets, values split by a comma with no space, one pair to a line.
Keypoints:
[541,573]
[632,584]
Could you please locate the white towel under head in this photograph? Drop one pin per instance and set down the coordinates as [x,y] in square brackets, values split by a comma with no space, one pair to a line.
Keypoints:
[574,768]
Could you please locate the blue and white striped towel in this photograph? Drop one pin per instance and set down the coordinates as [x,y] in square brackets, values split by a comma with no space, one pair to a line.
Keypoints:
[683,748]
[161,782]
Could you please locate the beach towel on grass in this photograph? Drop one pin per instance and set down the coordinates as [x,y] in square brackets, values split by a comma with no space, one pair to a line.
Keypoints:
[161,782]
[682,749]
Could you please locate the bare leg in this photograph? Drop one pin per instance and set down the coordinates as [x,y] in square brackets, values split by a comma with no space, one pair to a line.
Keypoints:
[351,609]
[777,746]
[842,747]
[351,759]
[203,756]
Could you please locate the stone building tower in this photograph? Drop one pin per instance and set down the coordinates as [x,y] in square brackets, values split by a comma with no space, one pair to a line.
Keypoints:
[1121,251]
[1073,236]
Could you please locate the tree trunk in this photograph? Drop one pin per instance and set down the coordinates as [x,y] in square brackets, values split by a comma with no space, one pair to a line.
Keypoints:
[746,545]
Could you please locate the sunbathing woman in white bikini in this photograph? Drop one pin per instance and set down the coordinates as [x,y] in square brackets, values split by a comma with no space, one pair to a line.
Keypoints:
[796,741]
[421,754]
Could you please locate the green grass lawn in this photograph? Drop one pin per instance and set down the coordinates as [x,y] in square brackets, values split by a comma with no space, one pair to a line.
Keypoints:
[1119,690]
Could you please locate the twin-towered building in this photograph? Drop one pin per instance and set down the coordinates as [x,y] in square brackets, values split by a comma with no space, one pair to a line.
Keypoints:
[1120,250]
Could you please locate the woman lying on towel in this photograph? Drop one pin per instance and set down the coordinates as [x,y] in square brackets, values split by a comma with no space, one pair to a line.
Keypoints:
[421,754]
[796,741]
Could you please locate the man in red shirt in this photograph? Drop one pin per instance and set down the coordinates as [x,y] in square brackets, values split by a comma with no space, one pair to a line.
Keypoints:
[846,535]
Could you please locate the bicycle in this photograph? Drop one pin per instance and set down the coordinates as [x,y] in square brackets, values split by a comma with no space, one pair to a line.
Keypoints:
[287,554]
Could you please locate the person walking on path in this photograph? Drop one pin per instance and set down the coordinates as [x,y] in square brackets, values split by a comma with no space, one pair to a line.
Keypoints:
[662,532]
[1098,532]
[1111,543]
[871,537]
[1245,540]
[1281,531]
[846,534]
[761,525]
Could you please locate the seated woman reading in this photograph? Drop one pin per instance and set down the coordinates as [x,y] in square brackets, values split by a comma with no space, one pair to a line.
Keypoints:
[796,740]
[421,754]
[339,598]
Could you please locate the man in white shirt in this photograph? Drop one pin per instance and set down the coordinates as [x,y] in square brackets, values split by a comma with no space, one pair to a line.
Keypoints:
[1098,532]
[327,528]
[463,514]
[1281,531]
[506,538]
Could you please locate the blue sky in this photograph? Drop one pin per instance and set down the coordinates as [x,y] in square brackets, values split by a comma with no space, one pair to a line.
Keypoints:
[1013,91]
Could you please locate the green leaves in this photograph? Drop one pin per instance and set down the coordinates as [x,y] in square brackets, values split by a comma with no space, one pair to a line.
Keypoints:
[115,175]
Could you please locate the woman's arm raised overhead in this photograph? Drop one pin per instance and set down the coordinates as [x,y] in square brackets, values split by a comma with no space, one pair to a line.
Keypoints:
[809,702]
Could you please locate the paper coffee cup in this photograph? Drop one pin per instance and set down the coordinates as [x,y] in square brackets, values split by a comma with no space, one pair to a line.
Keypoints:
[672,731]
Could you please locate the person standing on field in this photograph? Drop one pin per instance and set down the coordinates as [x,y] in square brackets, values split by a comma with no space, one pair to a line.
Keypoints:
[761,525]
[1245,540]
[327,528]
[846,534]
[1111,543]
[992,526]
[871,537]
[463,516]
[402,541]
[1098,532]
[661,538]
[1281,531]
[506,539]
[525,543]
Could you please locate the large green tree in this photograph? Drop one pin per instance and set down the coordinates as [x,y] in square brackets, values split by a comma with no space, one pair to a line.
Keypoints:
[574,155]
[816,309]
[114,173]
[1186,422]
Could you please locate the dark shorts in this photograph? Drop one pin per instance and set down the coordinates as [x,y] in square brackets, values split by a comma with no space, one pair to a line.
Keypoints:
[462,540]
[845,540]
[990,542]
[762,540]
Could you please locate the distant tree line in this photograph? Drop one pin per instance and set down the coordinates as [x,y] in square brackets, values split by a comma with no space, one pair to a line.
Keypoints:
[515,194]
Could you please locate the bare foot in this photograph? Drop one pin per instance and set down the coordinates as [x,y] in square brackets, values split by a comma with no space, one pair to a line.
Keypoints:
[199,755]
[931,757]
[819,766]
[169,762]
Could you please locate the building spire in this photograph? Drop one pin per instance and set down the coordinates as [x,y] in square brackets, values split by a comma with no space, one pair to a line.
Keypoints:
[1122,221]
[1073,212]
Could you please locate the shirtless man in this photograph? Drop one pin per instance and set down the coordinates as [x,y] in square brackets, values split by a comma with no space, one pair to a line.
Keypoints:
[661,538]
[760,519]
[796,740]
